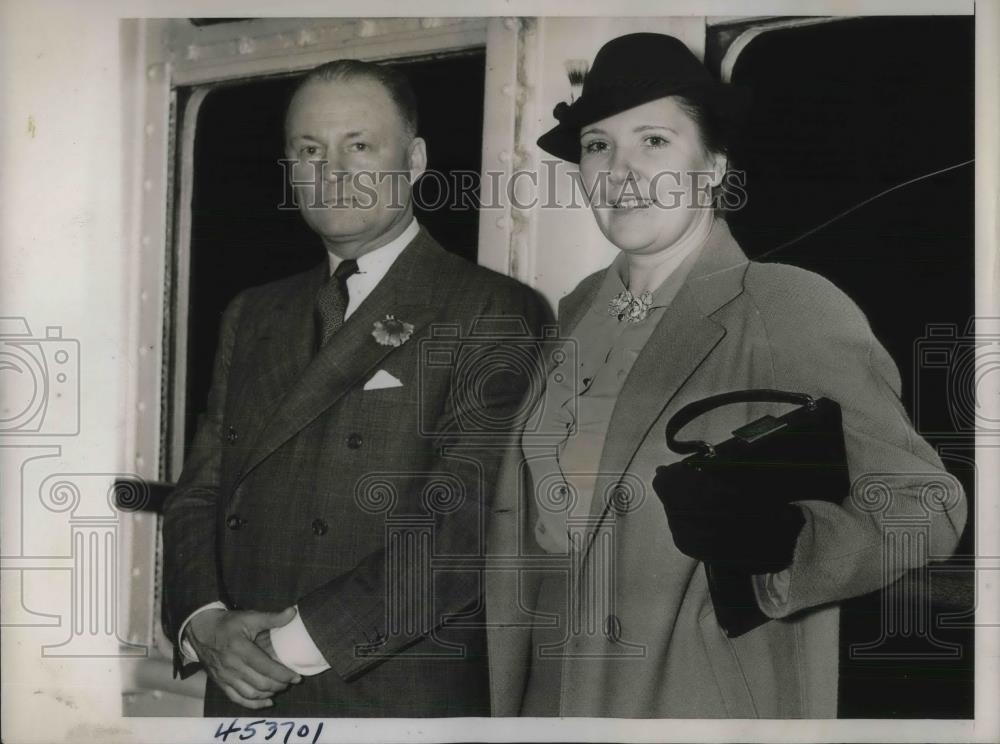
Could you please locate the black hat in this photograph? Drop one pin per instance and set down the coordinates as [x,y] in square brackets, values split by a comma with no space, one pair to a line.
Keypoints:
[636,69]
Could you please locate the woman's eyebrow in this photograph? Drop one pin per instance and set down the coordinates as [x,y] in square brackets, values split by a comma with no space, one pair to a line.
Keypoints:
[592,130]
[647,127]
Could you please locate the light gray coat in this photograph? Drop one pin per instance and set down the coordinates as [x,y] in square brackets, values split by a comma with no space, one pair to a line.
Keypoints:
[648,644]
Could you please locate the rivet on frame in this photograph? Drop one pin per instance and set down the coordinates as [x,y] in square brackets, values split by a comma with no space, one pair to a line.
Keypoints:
[193,51]
[508,89]
[367,28]
[136,572]
[152,72]
[147,184]
[141,406]
[504,156]
[430,22]
[246,45]
[510,23]
[145,240]
[139,461]
[149,130]
[305,37]
[502,223]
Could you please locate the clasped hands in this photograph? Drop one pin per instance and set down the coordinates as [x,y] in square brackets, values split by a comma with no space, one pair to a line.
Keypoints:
[235,648]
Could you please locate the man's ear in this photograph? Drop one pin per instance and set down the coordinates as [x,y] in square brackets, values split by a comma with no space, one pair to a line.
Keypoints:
[416,157]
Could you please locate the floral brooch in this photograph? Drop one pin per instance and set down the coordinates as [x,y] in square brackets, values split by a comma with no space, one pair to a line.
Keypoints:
[626,306]
[392,332]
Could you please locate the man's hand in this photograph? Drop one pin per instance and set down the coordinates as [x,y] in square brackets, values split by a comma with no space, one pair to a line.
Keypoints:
[225,643]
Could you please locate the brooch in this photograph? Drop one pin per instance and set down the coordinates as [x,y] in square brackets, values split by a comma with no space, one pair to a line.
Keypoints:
[626,306]
[392,332]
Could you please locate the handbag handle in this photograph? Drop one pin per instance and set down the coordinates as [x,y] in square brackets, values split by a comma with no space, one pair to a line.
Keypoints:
[691,411]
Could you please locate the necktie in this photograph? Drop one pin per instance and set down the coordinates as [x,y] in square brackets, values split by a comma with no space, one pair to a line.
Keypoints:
[331,302]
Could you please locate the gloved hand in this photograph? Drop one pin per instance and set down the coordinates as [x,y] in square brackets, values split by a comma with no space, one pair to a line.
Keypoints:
[714,522]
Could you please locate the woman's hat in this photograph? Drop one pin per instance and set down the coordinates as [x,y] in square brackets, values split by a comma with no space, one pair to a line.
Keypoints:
[636,69]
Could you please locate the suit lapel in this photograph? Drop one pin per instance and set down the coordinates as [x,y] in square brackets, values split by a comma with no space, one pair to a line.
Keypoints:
[285,339]
[406,291]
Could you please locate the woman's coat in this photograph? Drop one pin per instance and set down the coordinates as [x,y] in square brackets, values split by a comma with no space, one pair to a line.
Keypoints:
[645,642]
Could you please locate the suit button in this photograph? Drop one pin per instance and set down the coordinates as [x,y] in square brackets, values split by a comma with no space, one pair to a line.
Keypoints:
[319,527]
[232,435]
[354,440]
[612,628]
[235,522]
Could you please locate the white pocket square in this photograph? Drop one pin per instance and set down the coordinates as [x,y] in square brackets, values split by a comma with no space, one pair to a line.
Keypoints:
[381,380]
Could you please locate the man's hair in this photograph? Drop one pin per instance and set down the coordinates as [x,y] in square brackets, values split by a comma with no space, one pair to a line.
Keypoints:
[394,82]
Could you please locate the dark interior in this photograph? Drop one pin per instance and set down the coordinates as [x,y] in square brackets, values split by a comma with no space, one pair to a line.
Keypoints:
[841,113]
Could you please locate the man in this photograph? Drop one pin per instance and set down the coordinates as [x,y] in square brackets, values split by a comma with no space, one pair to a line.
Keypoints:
[334,461]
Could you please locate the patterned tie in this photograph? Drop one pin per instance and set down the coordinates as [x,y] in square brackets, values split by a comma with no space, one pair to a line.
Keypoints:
[331,302]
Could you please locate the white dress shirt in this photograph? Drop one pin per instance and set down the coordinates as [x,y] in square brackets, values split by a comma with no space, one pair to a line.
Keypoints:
[292,643]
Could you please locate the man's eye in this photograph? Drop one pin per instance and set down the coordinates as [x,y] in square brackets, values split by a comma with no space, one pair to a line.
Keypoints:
[656,141]
[358,146]
[309,150]
[595,147]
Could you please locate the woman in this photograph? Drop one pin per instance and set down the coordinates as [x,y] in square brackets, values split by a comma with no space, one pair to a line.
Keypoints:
[609,612]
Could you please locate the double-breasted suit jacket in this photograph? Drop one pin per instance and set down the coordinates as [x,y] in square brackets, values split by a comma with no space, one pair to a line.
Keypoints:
[304,488]
[643,641]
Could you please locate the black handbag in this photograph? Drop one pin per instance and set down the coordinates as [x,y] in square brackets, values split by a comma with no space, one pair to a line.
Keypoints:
[795,457]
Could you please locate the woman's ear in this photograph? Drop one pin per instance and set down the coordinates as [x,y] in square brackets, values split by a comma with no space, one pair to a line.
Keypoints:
[718,163]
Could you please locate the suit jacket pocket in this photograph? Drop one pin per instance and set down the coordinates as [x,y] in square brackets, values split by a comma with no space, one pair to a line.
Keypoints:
[727,670]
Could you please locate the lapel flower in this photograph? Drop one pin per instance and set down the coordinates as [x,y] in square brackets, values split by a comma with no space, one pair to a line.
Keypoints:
[626,306]
[392,332]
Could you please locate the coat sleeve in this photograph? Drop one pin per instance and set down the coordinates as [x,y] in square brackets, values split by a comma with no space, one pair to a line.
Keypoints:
[347,617]
[904,508]
[190,577]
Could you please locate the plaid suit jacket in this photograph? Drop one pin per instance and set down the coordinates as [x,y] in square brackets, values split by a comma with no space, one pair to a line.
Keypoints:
[365,508]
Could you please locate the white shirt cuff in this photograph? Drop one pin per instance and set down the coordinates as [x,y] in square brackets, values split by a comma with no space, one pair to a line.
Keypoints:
[295,648]
[187,650]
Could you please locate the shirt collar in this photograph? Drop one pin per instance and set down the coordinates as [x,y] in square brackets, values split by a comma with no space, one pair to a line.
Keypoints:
[379,260]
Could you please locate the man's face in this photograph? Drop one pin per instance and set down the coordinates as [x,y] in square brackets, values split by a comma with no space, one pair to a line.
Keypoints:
[370,161]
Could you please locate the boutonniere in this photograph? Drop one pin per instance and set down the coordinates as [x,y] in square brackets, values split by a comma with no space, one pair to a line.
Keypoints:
[392,332]
[626,306]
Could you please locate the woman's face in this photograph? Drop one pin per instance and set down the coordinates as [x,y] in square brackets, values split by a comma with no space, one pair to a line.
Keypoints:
[648,176]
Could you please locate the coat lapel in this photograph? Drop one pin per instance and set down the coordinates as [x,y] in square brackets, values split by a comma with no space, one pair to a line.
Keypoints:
[683,338]
[286,340]
[406,291]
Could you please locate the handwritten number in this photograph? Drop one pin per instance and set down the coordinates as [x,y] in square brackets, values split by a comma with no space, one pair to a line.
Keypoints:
[250,730]
[233,729]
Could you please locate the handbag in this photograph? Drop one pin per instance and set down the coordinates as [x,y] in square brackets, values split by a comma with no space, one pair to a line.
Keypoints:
[777,460]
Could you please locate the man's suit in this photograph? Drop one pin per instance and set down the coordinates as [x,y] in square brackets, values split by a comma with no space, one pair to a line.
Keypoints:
[303,488]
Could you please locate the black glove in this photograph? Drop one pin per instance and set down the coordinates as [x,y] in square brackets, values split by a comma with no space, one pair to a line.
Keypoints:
[714,522]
